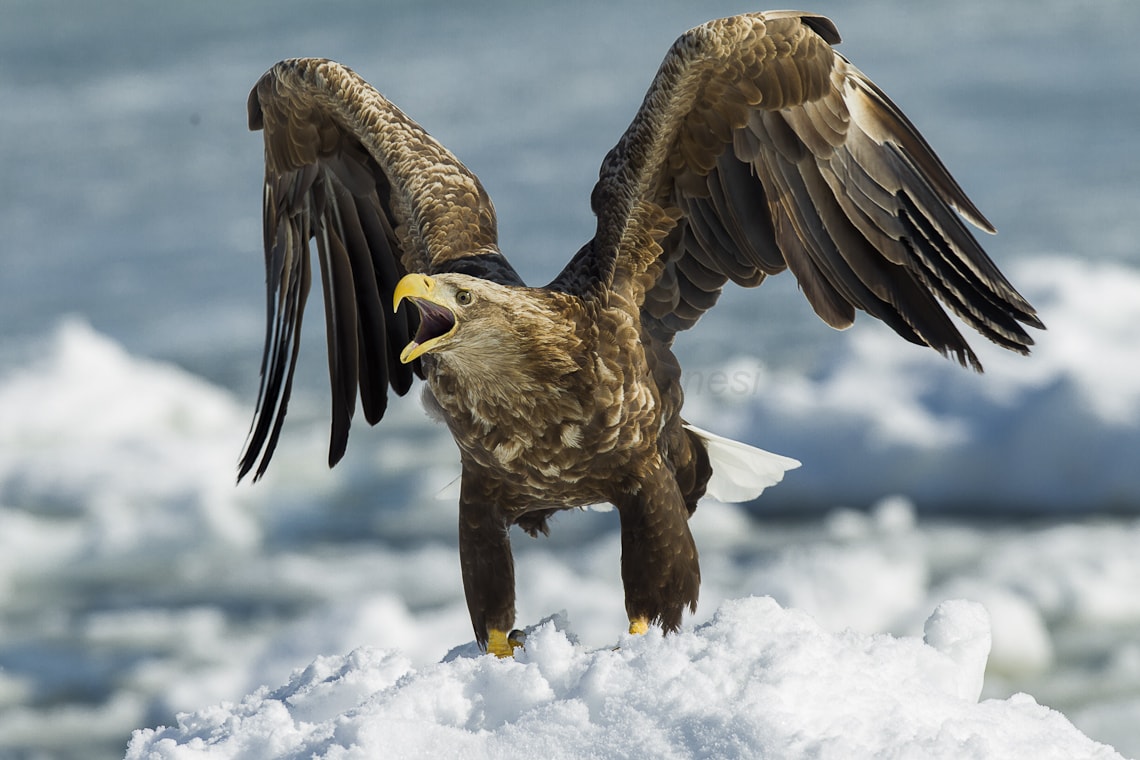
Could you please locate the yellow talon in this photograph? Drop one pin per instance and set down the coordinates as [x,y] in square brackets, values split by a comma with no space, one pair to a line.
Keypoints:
[638,626]
[503,644]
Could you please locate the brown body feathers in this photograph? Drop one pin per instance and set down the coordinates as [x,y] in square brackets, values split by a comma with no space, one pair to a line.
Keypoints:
[758,148]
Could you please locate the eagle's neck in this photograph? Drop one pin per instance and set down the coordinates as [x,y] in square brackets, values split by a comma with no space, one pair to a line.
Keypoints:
[553,391]
[523,365]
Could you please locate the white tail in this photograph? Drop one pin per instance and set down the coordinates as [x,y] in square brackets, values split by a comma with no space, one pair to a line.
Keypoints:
[740,472]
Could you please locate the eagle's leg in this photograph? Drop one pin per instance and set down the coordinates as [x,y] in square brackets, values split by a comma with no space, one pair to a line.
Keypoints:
[488,574]
[659,564]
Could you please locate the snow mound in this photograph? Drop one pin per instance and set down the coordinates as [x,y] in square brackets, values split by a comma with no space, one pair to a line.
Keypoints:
[141,450]
[757,681]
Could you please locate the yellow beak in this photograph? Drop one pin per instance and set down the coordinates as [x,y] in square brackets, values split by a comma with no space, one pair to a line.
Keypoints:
[412,286]
[437,320]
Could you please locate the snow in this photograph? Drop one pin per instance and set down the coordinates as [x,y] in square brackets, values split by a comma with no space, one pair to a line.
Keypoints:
[87,419]
[137,583]
[174,591]
[756,681]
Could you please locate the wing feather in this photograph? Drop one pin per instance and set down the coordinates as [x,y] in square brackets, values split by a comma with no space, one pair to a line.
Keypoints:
[780,154]
[347,171]
[341,327]
[372,358]
[731,187]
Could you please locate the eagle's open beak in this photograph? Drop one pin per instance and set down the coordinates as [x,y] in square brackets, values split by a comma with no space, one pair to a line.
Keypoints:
[437,321]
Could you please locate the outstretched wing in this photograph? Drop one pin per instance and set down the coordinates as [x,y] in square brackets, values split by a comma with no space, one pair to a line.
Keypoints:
[381,198]
[777,153]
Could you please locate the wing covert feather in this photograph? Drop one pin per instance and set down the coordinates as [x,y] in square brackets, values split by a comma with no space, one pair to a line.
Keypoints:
[378,198]
[757,148]
[779,154]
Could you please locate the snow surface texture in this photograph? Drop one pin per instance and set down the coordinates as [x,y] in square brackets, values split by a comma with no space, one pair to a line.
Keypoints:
[757,681]
[172,590]
[137,583]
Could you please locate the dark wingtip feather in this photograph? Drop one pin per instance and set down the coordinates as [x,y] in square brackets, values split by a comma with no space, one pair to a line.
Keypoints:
[255,118]
[823,26]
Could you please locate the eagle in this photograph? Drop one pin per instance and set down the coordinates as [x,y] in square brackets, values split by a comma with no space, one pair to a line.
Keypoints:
[757,148]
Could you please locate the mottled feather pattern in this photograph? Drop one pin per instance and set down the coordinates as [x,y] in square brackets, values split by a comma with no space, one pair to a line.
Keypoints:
[757,149]
[859,207]
[556,377]
[379,198]
[441,209]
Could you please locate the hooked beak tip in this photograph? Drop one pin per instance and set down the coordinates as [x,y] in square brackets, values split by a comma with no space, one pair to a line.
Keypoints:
[412,285]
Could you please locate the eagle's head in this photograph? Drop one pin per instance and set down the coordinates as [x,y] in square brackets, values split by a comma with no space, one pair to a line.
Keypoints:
[484,330]
[440,303]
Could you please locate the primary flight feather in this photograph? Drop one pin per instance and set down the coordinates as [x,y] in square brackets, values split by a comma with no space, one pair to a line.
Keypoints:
[758,148]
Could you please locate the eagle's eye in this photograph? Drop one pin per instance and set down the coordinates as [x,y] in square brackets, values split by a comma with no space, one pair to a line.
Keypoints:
[464,297]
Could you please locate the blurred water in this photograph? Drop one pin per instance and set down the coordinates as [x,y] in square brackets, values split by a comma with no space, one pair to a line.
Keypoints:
[131,201]
[132,184]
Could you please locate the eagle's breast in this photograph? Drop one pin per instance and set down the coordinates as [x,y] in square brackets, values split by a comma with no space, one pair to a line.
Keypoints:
[567,424]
